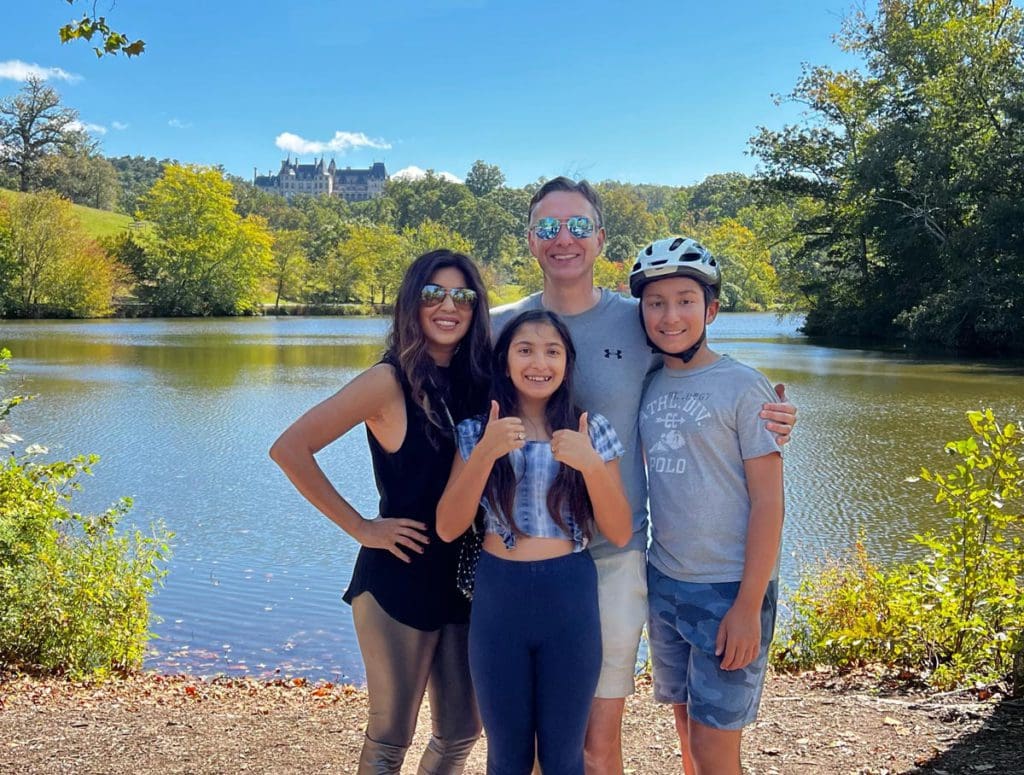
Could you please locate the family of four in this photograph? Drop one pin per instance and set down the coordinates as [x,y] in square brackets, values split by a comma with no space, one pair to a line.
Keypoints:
[552,440]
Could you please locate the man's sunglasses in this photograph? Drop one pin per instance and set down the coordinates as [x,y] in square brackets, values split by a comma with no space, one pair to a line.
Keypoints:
[431,295]
[579,226]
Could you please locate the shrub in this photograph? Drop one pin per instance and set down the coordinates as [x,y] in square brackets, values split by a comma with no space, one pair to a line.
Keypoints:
[74,593]
[955,615]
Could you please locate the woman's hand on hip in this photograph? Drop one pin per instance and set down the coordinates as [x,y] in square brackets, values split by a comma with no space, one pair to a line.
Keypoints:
[394,534]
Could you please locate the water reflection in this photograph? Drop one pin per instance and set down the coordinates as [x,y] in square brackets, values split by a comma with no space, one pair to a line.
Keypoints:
[183,411]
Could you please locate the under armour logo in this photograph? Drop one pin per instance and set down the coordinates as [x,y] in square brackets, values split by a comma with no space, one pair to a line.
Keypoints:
[608,353]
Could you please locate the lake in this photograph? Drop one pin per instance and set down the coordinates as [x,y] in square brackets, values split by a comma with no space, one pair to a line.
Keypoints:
[182,413]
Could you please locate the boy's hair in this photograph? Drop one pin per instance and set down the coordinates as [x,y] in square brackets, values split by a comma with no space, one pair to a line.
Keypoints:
[562,183]
[568,489]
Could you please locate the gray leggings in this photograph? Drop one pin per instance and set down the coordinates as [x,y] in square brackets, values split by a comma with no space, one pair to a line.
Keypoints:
[401,663]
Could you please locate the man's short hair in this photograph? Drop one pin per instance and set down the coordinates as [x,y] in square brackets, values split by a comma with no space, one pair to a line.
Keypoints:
[562,183]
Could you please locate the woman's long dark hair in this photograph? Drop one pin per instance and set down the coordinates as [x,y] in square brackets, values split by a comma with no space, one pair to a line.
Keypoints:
[568,489]
[463,390]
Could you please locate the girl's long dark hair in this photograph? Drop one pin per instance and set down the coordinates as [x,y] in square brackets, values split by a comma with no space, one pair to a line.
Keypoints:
[568,490]
[463,390]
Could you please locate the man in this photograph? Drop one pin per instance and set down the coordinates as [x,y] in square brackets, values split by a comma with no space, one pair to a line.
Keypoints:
[613,357]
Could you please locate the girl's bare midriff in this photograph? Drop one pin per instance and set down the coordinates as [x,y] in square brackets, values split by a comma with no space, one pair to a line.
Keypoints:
[528,549]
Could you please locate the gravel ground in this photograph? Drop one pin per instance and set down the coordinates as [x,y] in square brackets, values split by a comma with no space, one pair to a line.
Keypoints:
[811,723]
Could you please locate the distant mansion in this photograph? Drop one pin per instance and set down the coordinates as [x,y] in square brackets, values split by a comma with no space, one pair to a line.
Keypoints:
[352,185]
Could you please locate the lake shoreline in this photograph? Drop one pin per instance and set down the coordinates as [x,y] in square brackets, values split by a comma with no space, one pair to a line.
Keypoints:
[151,723]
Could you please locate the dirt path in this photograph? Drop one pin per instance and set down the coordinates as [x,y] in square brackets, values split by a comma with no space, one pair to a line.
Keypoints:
[158,724]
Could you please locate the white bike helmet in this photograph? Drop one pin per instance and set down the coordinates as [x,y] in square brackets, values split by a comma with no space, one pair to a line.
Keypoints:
[671,257]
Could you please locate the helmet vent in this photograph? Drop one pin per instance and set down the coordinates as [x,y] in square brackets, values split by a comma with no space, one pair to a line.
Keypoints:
[675,244]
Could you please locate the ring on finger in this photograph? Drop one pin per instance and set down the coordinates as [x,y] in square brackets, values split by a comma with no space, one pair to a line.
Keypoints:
[520,436]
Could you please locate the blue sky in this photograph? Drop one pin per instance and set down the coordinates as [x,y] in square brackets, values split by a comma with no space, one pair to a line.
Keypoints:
[647,92]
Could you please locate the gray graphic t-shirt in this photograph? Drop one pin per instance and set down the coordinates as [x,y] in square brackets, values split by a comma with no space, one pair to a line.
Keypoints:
[697,427]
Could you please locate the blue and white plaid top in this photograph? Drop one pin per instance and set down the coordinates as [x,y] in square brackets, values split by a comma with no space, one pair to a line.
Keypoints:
[535,470]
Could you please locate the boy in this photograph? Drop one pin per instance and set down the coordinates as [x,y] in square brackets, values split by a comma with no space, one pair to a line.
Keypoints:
[715,478]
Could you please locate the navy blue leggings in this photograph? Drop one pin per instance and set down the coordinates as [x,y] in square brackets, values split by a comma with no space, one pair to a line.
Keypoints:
[535,656]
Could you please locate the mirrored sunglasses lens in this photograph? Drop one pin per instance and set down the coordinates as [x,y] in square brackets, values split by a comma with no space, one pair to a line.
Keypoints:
[547,228]
[432,294]
[465,297]
[580,226]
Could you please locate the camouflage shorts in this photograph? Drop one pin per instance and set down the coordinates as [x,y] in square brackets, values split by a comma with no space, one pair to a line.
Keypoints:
[682,628]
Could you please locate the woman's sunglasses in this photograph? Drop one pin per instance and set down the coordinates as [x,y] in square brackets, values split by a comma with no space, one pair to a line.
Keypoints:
[431,295]
[579,226]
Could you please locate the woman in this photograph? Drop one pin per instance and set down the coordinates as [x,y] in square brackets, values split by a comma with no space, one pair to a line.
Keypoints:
[410,620]
[548,477]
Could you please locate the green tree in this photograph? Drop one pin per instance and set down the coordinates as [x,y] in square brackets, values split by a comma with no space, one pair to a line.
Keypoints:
[529,277]
[430,197]
[136,175]
[51,265]
[915,169]
[273,208]
[485,223]
[290,265]
[377,256]
[721,196]
[32,125]
[325,223]
[201,257]
[90,25]
[484,178]
[430,235]
[79,173]
[628,223]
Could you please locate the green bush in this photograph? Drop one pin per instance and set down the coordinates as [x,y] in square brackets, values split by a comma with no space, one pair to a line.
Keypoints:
[954,616]
[74,594]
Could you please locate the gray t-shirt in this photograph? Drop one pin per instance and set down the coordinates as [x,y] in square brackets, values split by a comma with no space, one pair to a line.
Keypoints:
[612,359]
[698,426]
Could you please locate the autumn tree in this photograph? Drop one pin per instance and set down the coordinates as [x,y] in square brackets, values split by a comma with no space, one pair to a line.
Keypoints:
[749,281]
[48,264]
[201,257]
[33,124]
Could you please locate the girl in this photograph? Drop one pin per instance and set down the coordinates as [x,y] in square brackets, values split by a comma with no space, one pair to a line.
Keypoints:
[410,620]
[546,476]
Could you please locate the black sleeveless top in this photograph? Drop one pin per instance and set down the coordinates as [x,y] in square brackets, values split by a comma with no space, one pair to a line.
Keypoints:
[422,592]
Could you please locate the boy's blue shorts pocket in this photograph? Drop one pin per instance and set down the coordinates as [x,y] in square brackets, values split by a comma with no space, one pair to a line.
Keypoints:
[682,628]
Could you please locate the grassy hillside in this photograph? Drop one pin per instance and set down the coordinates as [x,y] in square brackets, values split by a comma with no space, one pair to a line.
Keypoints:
[99,223]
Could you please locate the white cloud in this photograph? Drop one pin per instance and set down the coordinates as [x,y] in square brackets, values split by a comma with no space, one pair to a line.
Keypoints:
[16,70]
[119,126]
[177,123]
[415,173]
[78,126]
[340,143]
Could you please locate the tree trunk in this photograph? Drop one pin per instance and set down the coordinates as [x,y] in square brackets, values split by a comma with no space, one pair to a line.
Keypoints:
[1017,673]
